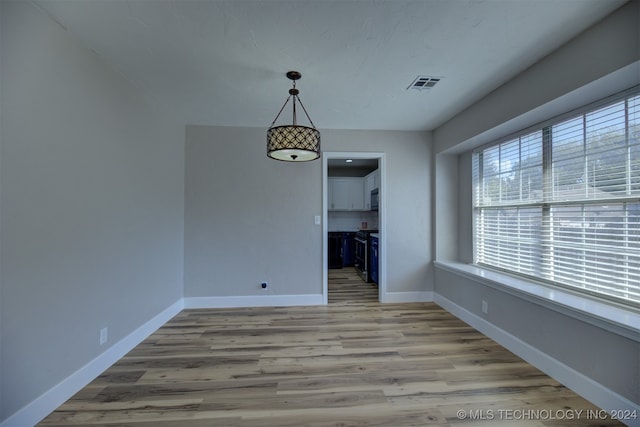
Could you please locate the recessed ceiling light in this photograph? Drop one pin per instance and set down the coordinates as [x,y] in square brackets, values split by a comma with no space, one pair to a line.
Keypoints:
[348,161]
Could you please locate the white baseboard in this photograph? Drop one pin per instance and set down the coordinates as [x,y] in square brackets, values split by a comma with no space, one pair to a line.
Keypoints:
[591,390]
[253,301]
[37,410]
[399,297]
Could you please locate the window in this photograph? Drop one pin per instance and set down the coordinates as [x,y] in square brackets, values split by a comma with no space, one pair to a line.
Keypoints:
[561,203]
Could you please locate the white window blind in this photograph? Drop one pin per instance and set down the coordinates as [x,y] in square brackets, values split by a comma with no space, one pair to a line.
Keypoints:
[562,203]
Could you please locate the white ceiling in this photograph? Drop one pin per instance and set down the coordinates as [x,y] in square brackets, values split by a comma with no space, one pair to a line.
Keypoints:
[215,62]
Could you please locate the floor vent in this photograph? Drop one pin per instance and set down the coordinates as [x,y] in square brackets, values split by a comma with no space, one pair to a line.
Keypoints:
[424,82]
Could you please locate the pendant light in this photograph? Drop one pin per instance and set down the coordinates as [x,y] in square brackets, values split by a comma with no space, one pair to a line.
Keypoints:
[293,143]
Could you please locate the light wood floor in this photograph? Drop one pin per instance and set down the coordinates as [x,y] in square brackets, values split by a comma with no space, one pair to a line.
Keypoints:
[354,362]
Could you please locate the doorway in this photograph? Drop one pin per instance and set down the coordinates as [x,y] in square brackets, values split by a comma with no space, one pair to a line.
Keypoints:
[329,161]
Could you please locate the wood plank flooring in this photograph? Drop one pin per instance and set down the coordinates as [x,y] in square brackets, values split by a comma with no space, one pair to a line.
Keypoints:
[354,362]
[345,286]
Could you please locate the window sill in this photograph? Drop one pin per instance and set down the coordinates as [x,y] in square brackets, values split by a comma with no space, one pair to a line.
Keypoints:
[625,322]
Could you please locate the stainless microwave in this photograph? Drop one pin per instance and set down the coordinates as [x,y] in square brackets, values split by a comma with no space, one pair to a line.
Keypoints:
[375,199]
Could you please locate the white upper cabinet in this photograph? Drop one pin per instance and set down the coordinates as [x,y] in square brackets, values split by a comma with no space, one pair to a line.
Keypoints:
[352,193]
[346,194]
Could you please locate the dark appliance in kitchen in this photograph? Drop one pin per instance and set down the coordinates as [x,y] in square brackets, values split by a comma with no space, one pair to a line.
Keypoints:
[335,250]
[347,248]
[375,199]
[341,251]
[362,255]
[373,258]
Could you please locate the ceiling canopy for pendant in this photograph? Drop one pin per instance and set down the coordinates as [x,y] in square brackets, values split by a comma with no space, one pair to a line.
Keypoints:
[293,143]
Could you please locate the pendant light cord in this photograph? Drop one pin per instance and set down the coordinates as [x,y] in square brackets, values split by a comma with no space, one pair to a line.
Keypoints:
[305,113]
[280,112]
[295,96]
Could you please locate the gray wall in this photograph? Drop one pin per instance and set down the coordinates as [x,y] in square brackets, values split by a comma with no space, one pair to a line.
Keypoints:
[600,62]
[249,218]
[607,47]
[92,206]
[408,156]
[464,219]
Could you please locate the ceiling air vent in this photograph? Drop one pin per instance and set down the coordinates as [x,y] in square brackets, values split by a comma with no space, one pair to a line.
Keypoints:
[424,82]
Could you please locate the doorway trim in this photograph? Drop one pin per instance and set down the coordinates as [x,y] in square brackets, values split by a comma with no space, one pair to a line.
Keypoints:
[382,218]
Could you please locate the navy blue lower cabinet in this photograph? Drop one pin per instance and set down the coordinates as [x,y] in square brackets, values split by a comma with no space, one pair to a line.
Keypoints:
[374,259]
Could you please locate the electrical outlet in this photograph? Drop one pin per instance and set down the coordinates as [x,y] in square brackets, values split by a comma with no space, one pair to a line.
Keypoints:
[485,307]
[104,335]
[264,286]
